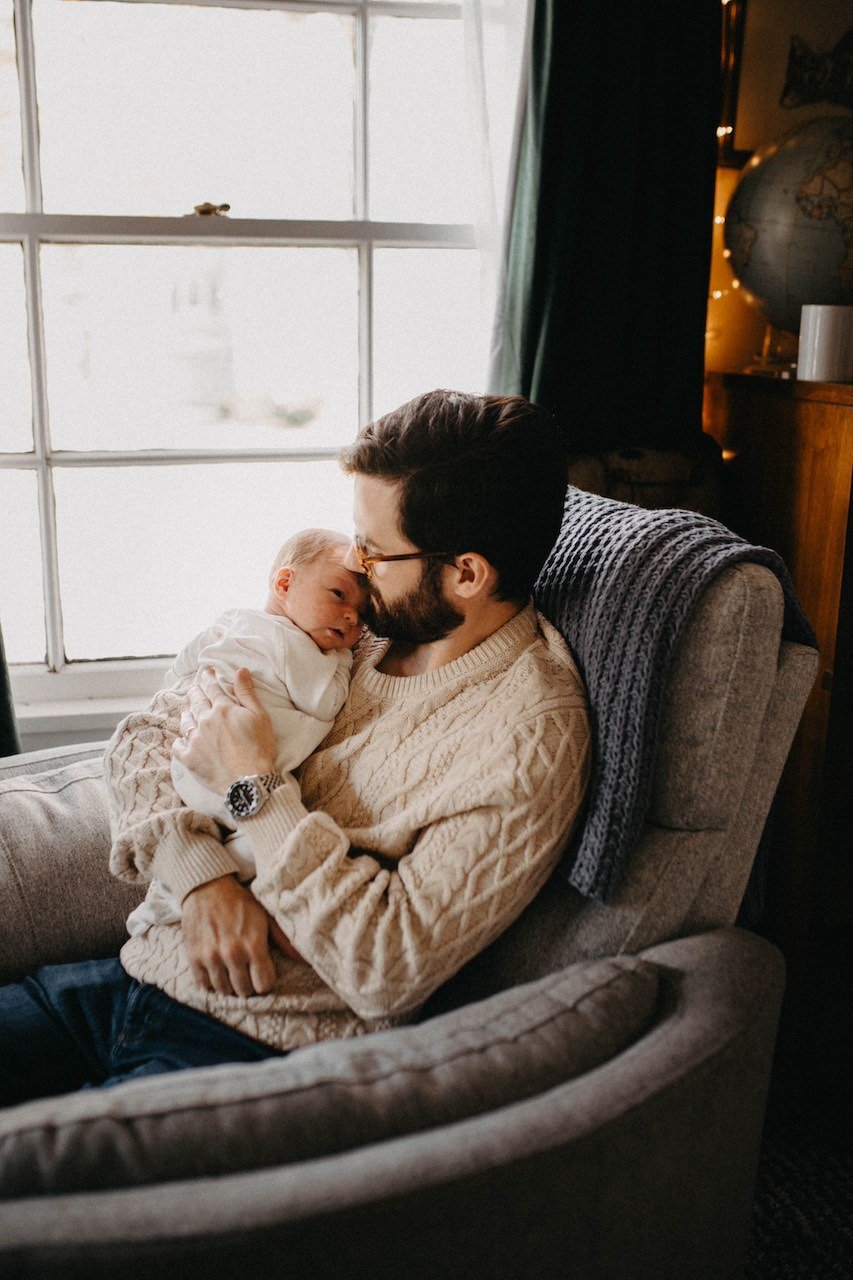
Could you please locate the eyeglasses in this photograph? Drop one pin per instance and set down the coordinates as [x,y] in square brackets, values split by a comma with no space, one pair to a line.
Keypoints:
[367,559]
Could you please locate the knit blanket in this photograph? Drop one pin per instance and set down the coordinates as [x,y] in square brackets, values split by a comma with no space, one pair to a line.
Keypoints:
[620,584]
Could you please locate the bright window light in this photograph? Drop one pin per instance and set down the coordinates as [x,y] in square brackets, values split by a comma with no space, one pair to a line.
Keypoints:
[189,347]
[152,108]
[148,556]
[175,385]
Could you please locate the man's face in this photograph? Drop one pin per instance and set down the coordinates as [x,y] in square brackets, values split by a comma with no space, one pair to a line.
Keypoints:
[406,598]
[422,616]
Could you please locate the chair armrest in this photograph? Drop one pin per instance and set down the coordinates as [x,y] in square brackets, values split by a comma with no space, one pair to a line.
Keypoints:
[49,758]
[58,900]
[643,1166]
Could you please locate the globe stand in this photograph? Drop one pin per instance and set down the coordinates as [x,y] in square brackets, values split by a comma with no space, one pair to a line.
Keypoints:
[778,355]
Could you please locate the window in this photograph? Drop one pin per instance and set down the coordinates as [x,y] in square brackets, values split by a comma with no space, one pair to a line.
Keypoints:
[174,384]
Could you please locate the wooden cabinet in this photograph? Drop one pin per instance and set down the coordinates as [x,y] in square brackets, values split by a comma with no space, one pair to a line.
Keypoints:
[789,455]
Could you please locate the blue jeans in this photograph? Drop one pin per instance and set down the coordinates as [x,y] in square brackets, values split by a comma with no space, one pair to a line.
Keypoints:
[73,1026]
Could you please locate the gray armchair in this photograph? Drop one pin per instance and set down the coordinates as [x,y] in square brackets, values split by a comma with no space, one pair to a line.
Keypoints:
[585,1098]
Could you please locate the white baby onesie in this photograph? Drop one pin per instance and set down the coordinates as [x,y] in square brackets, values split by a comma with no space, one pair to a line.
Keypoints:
[300,687]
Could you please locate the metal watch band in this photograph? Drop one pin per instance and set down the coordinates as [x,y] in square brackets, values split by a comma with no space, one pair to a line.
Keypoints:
[245,796]
[269,781]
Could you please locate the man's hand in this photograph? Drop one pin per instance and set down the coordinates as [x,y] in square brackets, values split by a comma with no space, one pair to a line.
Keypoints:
[225,738]
[283,943]
[226,934]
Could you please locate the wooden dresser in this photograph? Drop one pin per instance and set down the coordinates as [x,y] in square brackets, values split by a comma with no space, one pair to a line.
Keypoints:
[789,456]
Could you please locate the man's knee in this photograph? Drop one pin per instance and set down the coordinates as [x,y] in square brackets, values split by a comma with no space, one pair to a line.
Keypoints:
[56,1028]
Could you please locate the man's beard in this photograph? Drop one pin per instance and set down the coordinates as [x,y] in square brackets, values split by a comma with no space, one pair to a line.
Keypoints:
[421,617]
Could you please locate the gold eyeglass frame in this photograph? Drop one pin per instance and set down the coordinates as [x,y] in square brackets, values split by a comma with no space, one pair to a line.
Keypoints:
[367,560]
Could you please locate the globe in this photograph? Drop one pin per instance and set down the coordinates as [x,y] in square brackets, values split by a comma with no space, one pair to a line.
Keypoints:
[789,224]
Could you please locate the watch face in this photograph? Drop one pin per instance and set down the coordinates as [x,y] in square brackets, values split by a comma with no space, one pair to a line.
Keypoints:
[244,798]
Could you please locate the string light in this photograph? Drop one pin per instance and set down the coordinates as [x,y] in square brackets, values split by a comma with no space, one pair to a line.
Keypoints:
[724,132]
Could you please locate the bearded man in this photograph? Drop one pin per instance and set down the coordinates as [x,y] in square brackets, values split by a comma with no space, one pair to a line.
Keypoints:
[425,822]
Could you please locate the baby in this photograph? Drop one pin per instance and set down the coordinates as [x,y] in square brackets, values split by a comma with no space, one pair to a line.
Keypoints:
[299,651]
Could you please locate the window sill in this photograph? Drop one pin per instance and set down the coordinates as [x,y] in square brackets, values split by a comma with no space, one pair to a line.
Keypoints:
[55,724]
[81,703]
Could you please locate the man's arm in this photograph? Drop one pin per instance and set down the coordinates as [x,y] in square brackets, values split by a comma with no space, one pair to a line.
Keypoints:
[226,931]
[385,939]
[153,832]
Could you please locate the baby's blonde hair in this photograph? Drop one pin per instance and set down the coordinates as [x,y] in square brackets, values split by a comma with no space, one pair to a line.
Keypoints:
[305,547]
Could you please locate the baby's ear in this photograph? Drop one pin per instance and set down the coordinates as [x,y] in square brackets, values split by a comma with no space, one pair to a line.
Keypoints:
[282,580]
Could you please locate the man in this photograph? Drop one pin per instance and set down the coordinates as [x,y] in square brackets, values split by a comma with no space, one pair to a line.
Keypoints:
[431,815]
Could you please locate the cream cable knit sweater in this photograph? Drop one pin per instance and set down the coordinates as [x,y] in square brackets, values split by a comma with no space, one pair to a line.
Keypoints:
[466,783]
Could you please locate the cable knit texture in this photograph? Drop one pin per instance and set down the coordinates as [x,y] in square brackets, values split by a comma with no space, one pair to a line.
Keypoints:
[620,584]
[430,816]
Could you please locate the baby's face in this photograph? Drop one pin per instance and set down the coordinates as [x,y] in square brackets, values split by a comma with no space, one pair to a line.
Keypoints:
[324,600]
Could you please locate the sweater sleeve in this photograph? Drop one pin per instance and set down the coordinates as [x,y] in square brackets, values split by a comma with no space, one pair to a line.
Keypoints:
[153,832]
[384,939]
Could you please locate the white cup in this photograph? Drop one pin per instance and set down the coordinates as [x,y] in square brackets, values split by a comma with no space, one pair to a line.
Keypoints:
[826,344]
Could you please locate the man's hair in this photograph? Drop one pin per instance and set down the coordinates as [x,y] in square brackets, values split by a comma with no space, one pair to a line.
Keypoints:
[475,473]
[305,547]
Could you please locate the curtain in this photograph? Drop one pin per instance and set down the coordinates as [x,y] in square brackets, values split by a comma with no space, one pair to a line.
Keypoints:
[10,743]
[603,312]
[497,40]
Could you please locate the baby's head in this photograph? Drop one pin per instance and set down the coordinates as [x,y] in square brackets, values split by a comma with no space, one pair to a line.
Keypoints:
[310,585]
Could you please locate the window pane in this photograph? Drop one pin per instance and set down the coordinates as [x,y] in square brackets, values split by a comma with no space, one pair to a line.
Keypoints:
[21,597]
[150,555]
[427,328]
[11,172]
[16,434]
[422,164]
[152,109]
[182,347]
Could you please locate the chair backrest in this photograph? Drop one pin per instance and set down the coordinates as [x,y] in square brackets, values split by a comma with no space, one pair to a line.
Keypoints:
[731,705]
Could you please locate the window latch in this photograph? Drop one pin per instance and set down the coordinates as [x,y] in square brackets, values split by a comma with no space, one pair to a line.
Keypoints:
[208,210]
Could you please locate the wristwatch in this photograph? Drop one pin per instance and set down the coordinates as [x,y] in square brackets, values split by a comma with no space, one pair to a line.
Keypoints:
[244,797]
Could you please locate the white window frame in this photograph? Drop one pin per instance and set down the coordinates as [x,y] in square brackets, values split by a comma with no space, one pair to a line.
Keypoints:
[93,694]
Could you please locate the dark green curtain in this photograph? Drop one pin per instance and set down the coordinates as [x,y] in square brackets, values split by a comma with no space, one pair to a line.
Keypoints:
[610,239]
[10,743]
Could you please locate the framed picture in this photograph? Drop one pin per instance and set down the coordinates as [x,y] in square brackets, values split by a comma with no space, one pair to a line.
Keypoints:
[784,62]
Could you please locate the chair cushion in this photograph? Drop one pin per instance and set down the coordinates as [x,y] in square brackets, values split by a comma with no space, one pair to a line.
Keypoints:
[333,1096]
[58,900]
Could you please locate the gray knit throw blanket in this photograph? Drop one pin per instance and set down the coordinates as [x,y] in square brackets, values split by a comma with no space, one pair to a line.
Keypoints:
[620,585]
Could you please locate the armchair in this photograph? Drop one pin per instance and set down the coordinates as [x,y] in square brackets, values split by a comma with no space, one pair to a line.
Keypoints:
[584,1098]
